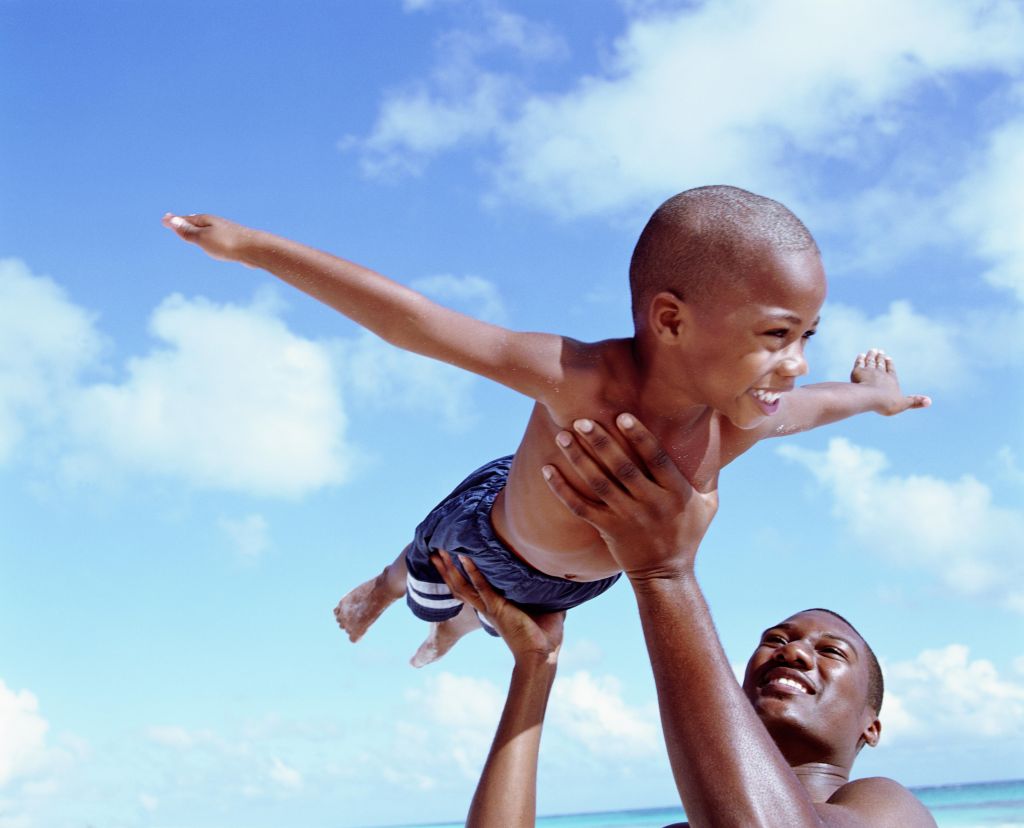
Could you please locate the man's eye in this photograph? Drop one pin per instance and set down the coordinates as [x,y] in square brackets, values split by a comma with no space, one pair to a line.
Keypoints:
[833,651]
[773,639]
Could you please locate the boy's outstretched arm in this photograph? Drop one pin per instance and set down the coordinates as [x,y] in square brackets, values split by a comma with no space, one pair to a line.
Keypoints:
[530,363]
[873,386]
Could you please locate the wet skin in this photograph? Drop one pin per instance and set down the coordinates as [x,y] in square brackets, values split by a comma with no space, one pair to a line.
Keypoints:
[808,683]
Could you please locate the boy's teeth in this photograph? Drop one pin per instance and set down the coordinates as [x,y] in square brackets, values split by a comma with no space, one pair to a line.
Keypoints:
[767,396]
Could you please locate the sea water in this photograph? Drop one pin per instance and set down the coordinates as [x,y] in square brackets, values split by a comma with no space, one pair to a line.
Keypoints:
[980,805]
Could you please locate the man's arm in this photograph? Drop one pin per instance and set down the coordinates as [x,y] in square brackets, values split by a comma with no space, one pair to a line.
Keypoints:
[873,386]
[506,794]
[726,766]
[530,363]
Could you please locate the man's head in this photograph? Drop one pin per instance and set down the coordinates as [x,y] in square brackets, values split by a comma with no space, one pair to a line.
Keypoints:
[727,286]
[817,687]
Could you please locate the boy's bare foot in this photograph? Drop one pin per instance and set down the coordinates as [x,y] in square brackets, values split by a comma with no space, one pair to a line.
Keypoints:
[443,636]
[875,368]
[364,604]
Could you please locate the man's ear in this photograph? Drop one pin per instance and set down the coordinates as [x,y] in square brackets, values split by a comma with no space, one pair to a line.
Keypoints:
[872,733]
[669,316]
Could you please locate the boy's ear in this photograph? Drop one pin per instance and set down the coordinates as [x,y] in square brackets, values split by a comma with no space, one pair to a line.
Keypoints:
[669,316]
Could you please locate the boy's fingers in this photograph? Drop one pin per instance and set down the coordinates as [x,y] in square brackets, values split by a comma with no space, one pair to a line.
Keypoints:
[918,401]
[658,464]
[182,226]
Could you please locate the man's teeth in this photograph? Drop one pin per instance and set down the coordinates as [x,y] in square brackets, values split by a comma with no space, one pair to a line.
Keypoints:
[788,682]
[768,397]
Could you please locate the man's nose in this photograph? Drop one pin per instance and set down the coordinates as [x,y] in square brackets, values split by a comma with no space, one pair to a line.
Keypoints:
[795,652]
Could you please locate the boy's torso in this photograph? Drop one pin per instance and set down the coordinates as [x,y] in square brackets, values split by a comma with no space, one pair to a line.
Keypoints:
[601,383]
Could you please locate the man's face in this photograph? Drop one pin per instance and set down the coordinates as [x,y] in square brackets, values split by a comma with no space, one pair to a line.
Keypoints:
[808,683]
[746,345]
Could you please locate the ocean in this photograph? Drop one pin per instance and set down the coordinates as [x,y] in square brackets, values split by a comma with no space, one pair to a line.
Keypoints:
[980,805]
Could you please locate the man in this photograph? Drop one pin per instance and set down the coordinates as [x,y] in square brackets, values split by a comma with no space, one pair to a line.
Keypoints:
[776,752]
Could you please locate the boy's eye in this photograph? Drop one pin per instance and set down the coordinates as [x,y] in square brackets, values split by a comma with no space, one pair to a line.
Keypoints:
[809,334]
[781,333]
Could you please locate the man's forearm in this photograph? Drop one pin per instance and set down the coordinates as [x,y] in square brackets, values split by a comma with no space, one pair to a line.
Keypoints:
[727,769]
[507,792]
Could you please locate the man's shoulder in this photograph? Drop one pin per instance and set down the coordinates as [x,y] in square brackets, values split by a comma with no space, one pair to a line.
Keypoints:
[882,801]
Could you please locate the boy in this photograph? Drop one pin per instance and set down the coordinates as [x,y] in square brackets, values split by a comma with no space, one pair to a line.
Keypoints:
[726,288]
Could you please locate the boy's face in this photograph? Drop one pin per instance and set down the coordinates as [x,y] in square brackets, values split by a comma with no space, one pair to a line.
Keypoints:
[744,347]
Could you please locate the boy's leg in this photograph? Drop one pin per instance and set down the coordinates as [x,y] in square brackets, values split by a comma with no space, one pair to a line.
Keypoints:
[364,604]
[443,635]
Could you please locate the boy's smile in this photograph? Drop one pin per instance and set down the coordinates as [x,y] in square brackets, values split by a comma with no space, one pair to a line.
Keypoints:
[745,346]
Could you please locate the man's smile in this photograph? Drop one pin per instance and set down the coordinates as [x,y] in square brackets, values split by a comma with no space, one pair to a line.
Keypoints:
[787,680]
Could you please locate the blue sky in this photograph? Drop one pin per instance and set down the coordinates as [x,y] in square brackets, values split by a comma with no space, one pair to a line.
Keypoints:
[197,462]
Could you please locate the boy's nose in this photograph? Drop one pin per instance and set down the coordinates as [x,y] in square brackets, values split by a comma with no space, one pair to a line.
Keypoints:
[793,364]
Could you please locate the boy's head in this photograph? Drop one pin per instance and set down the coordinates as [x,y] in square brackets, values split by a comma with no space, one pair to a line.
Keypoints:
[727,287]
[704,241]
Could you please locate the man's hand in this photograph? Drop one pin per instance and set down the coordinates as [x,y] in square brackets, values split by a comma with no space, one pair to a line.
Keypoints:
[220,238]
[875,370]
[650,516]
[537,638]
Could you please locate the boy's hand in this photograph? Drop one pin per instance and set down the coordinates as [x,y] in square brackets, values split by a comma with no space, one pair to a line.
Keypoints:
[875,370]
[650,516]
[528,637]
[220,238]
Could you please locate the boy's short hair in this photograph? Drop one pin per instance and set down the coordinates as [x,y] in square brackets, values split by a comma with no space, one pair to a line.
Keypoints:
[705,238]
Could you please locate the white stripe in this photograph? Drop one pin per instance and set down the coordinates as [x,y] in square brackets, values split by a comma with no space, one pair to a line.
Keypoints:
[434,603]
[427,587]
[485,621]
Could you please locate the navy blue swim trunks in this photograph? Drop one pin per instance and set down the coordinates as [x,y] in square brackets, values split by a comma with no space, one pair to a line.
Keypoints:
[461,525]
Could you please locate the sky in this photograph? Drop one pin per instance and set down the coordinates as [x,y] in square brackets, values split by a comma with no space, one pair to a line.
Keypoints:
[197,462]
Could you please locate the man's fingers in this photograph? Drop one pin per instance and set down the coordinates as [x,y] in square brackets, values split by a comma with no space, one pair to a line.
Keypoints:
[571,499]
[460,587]
[619,467]
[659,465]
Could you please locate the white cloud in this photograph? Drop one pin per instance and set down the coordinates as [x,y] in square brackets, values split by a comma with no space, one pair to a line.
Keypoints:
[990,208]
[478,296]
[232,400]
[22,734]
[945,691]
[249,535]
[591,710]
[462,100]
[715,92]
[949,528]
[925,350]
[380,375]
[284,775]
[46,342]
